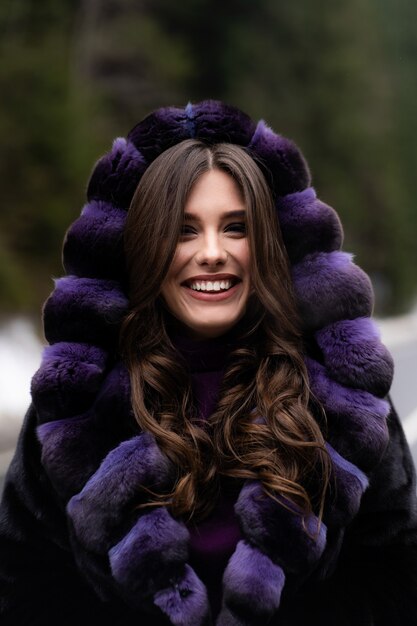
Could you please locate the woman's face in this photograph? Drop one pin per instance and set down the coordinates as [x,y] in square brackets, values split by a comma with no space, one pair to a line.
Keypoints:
[208,284]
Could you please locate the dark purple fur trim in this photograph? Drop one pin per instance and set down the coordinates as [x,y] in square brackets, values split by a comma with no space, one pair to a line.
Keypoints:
[68,379]
[113,405]
[346,488]
[291,540]
[159,131]
[186,601]
[355,356]
[286,168]
[216,122]
[116,175]
[210,121]
[252,585]
[93,245]
[67,453]
[356,420]
[329,288]
[109,498]
[150,554]
[84,310]
[308,225]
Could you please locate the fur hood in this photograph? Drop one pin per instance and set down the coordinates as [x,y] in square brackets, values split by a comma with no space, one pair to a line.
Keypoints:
[92,449]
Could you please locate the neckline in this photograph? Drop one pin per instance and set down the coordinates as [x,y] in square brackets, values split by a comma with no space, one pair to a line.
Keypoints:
[205,355]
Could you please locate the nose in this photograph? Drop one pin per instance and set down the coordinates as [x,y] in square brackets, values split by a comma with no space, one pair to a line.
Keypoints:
[212,250]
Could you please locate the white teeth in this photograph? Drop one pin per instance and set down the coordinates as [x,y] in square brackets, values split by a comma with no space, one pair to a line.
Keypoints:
[209,285]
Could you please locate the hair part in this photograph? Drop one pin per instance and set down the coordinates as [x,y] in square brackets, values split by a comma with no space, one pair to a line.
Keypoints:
[263,427]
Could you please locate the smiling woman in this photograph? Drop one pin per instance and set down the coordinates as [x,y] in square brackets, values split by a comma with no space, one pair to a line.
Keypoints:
[210,440]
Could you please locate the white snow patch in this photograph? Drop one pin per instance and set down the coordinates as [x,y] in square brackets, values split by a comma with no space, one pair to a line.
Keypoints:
[410,428]
[20,356]
[396,331]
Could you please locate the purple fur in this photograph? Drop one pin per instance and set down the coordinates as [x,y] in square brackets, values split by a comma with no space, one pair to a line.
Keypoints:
[356,419]
[253,583]
[209,121]
[93,245]
[228,618]
[308,225]
[346,489]
[293,541]
[113,405]
[185,602]
[84,310]
[329,288]
[282,159]
[355,356]
[113,492]
[150,554]
[215,121]
[159,131]
[66,442]
[116,175]
[68,379]
[67,453]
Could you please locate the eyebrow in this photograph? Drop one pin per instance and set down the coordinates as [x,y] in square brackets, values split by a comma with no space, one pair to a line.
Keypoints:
[193,216]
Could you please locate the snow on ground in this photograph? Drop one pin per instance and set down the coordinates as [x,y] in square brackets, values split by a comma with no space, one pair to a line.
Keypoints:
[399,330]
[20,356]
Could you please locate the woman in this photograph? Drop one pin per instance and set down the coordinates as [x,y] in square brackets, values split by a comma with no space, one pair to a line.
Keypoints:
[210,440]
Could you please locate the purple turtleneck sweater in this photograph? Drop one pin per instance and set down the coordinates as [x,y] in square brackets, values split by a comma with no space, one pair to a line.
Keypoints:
[212,541]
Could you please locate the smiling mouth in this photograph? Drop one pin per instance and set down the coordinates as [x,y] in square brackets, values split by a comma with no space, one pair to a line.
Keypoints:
[211,286]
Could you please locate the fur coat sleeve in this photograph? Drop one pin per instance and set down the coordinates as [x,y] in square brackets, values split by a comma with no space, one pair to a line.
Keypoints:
[373,583]
[375,579]
[40,584]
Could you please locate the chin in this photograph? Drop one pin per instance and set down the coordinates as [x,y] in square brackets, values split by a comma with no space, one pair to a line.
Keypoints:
[210,331]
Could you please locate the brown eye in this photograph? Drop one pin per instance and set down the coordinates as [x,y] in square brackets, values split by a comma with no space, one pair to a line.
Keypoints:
[237,227]
[187,230]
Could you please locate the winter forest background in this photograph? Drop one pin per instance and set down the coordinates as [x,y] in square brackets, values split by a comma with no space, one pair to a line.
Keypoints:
[337,77]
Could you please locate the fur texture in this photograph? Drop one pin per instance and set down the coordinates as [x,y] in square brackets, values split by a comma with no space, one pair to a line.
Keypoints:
[308,224]
[355,356]
[185,601]
[84,310]
[150,555]
[331,278]
[114,487]
[278,529]
[93,245]
[69,379]
[116,174]
[286,167]
[253,586]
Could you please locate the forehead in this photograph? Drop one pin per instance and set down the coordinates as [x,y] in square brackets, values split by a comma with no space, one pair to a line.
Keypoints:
[215,190]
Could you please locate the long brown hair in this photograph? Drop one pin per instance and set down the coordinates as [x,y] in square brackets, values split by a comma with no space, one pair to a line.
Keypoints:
[263,427]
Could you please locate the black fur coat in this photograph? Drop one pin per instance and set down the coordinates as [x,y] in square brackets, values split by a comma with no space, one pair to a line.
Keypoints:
[374,582]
